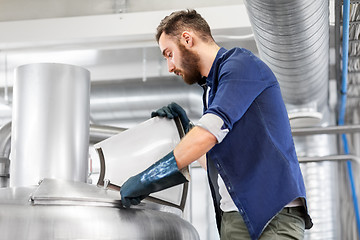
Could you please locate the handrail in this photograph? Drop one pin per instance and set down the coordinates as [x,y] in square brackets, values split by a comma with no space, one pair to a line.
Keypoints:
[325,130]
[329,158]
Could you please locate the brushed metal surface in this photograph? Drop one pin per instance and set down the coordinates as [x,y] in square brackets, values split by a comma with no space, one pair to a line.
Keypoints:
[61,192]
[50,123]
[21,219]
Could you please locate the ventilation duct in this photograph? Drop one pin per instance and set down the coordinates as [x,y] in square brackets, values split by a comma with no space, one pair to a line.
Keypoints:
[127,103]
[293,39]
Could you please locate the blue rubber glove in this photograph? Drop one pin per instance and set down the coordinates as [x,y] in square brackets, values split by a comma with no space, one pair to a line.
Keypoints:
[171,111]
[159,176]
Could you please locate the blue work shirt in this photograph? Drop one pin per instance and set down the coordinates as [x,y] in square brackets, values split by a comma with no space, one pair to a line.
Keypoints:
[257,158]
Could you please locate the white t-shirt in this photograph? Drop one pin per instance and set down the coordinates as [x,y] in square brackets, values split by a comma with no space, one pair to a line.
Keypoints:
[226,202]
[228,205]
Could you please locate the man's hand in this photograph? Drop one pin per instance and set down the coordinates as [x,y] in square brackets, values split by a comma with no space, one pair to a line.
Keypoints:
[171,111]
[133,191]
[159,176]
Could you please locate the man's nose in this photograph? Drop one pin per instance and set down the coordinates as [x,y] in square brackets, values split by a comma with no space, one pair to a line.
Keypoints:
[171,66]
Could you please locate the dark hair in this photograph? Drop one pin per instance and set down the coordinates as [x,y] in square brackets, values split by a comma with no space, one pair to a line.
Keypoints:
[179,21]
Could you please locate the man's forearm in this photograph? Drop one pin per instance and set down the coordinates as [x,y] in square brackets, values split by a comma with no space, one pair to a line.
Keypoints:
[195,144]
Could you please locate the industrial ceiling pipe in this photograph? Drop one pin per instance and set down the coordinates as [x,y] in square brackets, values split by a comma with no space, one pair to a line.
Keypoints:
[293,39]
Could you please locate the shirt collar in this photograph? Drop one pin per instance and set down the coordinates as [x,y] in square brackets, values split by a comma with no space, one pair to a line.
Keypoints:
[211,73]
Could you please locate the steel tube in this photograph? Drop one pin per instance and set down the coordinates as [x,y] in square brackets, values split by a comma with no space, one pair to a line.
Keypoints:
[50,126]
[329,158]
[101,132]
[325,130]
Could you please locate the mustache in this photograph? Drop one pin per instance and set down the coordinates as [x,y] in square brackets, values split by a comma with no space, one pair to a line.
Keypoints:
[177,72]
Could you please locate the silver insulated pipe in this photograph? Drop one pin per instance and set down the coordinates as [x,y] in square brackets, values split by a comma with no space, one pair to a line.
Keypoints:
[292,37]
[50,123]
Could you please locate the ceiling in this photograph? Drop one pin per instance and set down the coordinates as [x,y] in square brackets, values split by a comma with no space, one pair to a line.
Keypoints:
[114,40]
[16,10]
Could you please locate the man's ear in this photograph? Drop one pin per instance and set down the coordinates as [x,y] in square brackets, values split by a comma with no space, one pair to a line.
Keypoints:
[187,39]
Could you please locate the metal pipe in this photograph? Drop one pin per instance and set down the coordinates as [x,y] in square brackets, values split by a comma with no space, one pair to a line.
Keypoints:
[329,158]
[325,130]
[342,111]
[50,123]
[293,39]
[133,101]
[101,132]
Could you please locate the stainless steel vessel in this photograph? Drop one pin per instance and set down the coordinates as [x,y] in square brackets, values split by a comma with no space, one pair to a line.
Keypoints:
[50,123]
[68,210]
[49,197]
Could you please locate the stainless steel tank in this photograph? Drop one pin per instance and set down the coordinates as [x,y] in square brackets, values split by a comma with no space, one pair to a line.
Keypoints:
[50,123]
[68,210]
[48,197]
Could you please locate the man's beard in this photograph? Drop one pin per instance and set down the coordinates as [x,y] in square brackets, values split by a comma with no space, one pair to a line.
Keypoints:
[189,65]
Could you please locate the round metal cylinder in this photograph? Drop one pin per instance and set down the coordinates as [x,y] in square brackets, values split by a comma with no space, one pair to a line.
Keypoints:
[50,123]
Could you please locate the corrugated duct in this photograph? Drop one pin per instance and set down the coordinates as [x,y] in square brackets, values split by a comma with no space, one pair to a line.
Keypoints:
[293,39]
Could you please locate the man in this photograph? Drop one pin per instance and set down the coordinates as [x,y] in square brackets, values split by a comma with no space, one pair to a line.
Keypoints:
[254,174]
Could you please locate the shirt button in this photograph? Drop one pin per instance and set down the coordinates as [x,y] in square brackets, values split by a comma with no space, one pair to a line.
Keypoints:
[241,211]
[229,188]
[218,165]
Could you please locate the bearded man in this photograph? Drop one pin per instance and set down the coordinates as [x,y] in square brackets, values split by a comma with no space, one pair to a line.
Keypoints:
[254,174]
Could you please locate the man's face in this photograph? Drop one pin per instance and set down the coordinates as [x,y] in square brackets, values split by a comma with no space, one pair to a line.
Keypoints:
[180,60]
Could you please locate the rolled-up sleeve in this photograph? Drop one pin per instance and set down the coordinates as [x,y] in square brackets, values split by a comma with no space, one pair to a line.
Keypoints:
[214,124]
